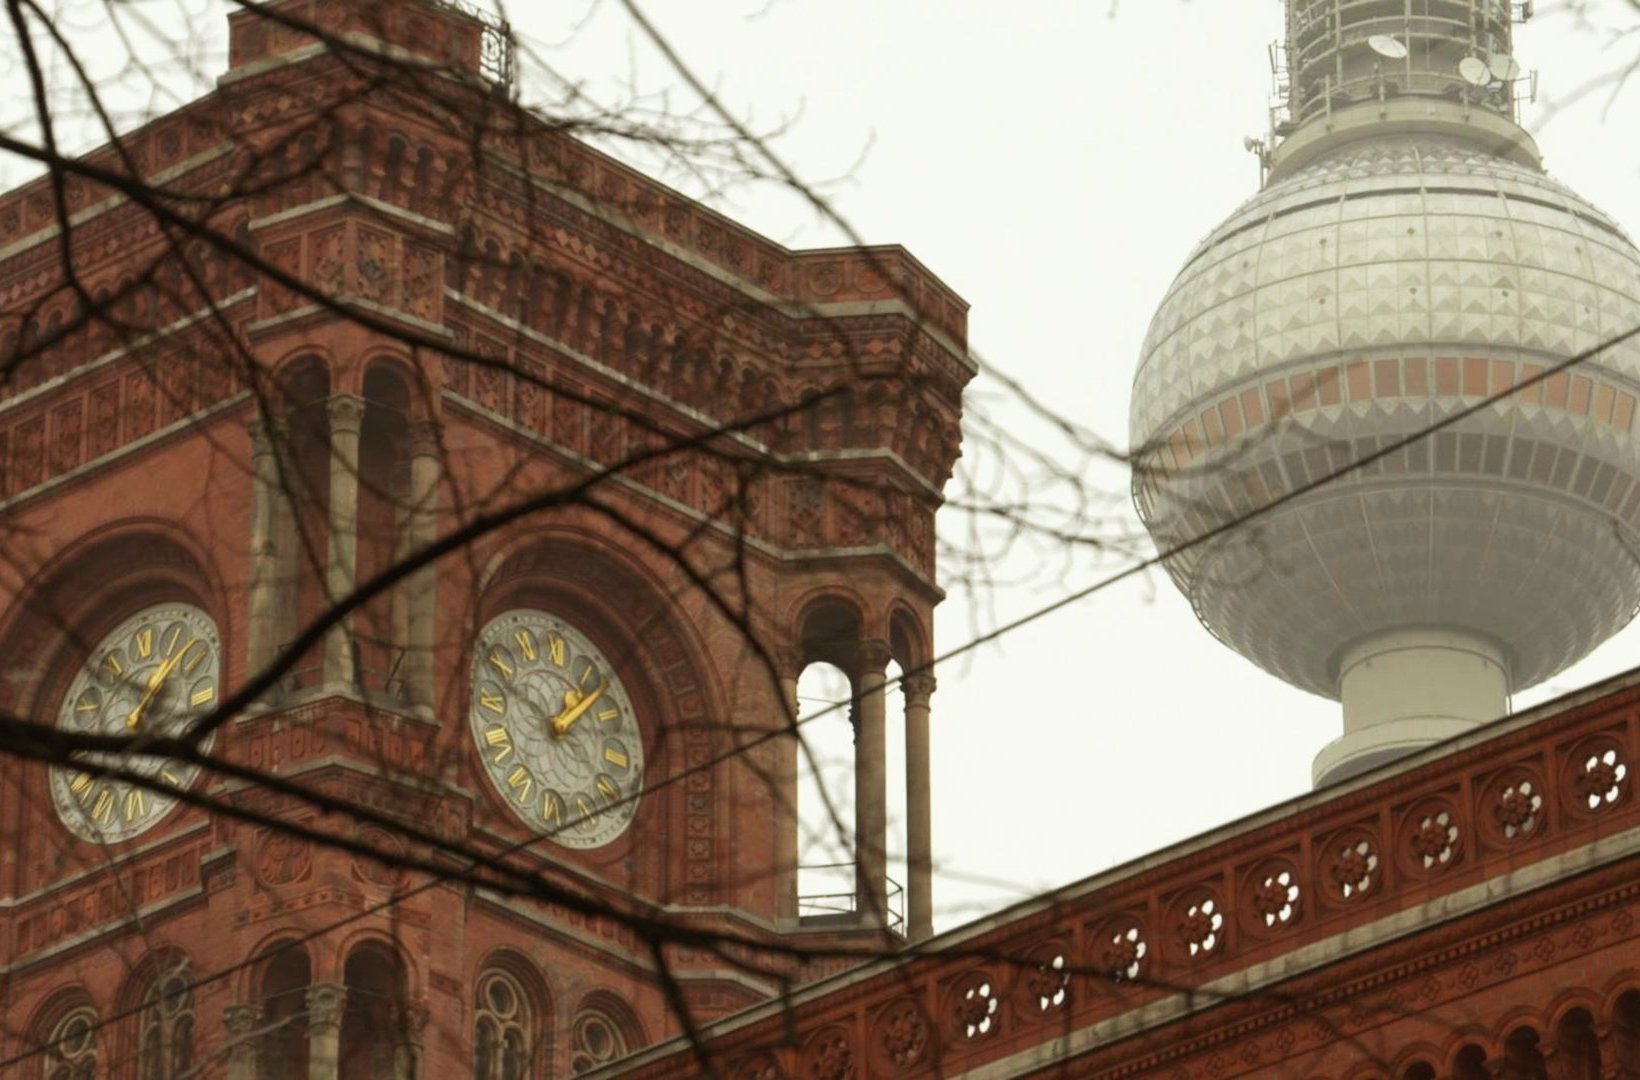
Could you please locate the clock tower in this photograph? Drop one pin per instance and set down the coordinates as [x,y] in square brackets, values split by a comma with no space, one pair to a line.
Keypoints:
[415,531]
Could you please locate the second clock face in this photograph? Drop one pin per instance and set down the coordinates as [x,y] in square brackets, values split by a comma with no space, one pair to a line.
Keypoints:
[555,729]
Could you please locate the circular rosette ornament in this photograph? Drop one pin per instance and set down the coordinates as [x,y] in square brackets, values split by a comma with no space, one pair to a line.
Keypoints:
[899,1037]
[1597,773]
[1044,985]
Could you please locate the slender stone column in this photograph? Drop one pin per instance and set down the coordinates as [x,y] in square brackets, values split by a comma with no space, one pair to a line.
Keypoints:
[341,566]
[870,786]
[783,779]
[918,819]
[1616,1043]
[241,1021]
[325,1003]
[407,1053]
[263,601]
[421,588]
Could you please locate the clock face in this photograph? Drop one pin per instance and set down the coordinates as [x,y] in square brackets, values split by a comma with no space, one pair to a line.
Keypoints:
[155,673]
[555,729]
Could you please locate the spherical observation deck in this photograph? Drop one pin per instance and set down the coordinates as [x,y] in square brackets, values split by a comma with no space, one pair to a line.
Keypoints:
[1361,297]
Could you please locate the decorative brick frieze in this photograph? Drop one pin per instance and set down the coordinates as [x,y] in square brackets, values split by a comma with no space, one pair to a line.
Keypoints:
[108,902]
[1314,878]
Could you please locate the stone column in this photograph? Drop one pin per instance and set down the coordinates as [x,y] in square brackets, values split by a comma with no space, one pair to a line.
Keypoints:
[241,1021]
[407,1053]
[918,821]
[870,786]
[783,781]
[325,1003]
[421,588]
[1616,1043]
[263,600]
[346,415]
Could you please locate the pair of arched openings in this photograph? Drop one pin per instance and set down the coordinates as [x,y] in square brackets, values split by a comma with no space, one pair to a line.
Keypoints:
[512,1020]
[1579,1051]
[835,657]
[327,505]
[513,1026]
[153,1037]
[375,1032]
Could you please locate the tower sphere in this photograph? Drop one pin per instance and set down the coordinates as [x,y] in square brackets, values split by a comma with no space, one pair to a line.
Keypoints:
[1392,279]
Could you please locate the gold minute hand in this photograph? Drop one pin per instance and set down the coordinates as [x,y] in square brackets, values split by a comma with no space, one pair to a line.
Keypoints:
[572,711]
[155,681]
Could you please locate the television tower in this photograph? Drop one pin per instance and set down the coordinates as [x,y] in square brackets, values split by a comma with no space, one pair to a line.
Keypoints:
[1407,258]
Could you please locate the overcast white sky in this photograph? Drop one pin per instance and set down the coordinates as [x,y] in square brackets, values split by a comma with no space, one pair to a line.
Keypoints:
[1054,161]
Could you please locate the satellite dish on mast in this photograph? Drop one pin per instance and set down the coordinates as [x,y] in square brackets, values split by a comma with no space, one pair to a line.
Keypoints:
[1504,68]
[1474,71]
[1386,46]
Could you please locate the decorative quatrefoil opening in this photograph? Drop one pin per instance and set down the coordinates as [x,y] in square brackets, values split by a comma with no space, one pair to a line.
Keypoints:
[976,1010]
[1354,868]
[1276,897]
[1049,983]
[1435,840]
[1519,809]
[1600,780]
[1200,927]
[1124,954]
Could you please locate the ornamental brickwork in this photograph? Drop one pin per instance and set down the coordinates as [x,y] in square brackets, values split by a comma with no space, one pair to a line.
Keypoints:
[362,320]
[1473,908]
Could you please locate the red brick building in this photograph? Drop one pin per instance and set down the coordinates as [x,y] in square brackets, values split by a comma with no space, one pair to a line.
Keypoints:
[350,314]
[1469,912]
[348,304]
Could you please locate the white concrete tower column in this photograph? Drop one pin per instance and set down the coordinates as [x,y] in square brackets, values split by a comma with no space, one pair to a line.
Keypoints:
[346,414]
[1407,688]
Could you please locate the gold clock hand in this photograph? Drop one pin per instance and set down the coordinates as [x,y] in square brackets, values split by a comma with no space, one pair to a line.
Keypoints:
[573,710]
[155,681]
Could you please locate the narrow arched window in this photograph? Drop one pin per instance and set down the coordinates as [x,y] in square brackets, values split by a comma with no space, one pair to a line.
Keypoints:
[166,1045]
[71,1052]
[501,1028]
[283,1050]
[598,1037]
[372,1038]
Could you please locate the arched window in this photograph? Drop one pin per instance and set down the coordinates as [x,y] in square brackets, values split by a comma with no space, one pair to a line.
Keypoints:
[165,1045]
[303,528]
[1470,1064]
[1523,1057]
[72,1046]
[1578,1046]
[604,1031]
[502,1027]
[384,481]
[283,1053]
[373,1019]
[825,793]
